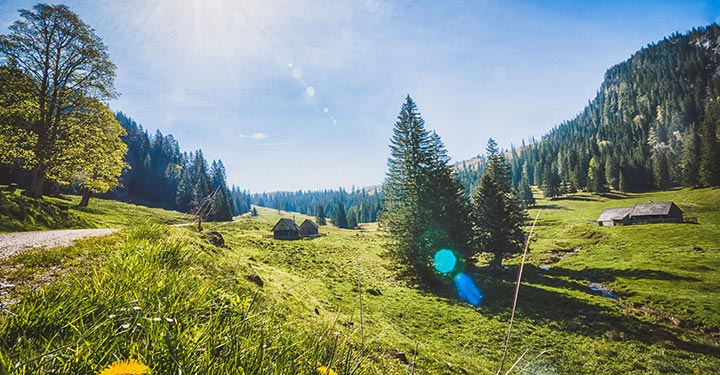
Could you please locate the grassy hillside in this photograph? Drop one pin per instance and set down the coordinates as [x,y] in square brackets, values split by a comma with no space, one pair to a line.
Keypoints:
[20,213]
[337,301]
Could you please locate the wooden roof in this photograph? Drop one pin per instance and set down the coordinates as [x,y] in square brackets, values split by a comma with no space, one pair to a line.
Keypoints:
[638,210]
[309,222]
[610,214]
[289,222]
[651,209]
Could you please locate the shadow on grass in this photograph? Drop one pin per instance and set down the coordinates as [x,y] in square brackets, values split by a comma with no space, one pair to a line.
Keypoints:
[578,198]
[615,195]
[549,207]
[582,315]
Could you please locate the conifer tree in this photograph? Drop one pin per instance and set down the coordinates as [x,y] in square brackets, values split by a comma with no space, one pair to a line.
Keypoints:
[497,214]
[341,220]
[690,162]
[320,215]
[596,177]
[709,145]
[525,194]
[551,183]
[420,196]
[352,218]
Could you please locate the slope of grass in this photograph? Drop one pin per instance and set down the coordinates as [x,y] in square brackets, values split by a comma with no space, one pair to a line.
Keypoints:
[345,286]
[164,297]
[20,213]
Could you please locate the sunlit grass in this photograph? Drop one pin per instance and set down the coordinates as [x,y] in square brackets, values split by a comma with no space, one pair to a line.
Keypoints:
[19,213]
[166,298]
[170,300]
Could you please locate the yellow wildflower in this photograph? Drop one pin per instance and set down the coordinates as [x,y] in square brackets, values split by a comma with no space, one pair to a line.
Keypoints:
[126,367]
[324,370]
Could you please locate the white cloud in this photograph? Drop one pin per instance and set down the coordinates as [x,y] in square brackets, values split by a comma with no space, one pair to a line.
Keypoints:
[254,136]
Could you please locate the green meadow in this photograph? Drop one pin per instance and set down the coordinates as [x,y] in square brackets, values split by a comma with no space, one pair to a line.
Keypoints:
[20,213]
[164,296]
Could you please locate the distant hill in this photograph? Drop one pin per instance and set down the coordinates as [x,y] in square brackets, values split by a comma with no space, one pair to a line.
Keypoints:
[652,125]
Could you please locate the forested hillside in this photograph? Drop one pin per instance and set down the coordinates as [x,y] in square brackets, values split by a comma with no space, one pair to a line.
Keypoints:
[160,173]
[652,125]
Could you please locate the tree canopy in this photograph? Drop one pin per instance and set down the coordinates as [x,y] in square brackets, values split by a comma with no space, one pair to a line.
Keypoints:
[65,64]
[424,207]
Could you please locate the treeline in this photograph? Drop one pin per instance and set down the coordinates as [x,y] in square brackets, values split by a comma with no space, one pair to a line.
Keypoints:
[653,125]
[161,174]
[359,205]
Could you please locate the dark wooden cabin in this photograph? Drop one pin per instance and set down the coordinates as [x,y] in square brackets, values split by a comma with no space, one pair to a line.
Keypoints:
[643,213]
[656,212]
[308,228]
[286,229]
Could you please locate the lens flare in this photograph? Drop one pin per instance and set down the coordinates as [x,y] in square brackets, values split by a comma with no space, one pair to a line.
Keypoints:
[467,290]
[445,261]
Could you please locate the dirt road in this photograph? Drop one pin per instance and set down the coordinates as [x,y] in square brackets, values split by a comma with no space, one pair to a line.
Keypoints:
[13,243]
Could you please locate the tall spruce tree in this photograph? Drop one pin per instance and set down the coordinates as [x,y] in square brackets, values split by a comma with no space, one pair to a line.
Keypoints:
[525,194]
[341,220]
[596,177]
[690,162]
[497,214]
[320,214]
[709,145]
[551,183]
[423,203]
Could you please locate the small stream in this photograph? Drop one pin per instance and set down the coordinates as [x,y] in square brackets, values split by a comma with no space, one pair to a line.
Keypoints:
[593,285]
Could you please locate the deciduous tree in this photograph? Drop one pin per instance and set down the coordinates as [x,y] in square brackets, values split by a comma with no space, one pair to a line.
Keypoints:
[66,63]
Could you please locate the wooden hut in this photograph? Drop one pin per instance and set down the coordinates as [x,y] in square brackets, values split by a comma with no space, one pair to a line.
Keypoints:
[286,229]
[308,228]
[643,213]
[610,217]
[656,212]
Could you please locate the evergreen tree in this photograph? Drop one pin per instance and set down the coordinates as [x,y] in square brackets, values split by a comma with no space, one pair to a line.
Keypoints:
[551,183]
[596,177]
[420,196]
[352,218]
[709,145]
[497,214]
[525,194]
[612,173]
[341,220]
[320,215]
[690,163]
[661,177]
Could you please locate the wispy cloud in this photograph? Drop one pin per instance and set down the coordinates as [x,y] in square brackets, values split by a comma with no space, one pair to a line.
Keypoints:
[254,136]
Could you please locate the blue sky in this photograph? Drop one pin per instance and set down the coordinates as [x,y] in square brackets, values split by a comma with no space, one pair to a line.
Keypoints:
[303,94]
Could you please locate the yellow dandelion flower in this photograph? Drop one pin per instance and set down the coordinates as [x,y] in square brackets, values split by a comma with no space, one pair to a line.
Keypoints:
[324,370]
[126,367]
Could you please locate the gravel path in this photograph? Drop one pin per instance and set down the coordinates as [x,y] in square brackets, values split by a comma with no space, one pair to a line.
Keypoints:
[13,243]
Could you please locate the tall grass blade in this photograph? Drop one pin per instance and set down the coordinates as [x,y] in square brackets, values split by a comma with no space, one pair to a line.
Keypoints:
[517,291]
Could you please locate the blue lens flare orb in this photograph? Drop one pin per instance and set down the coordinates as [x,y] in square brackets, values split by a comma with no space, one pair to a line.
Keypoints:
[445,261]
[467,290]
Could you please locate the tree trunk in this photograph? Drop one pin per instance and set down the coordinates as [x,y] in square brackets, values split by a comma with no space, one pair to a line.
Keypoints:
[496,264]
[85,199]
[37,181]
